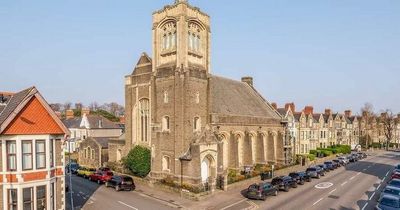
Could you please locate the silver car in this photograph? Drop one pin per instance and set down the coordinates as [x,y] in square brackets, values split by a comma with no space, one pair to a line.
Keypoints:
[391,190]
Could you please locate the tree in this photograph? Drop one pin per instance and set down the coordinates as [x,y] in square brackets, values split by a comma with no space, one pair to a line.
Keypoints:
[389,122]
[67,105]
[138,161]
[93,106]
[368,116]
[56,107]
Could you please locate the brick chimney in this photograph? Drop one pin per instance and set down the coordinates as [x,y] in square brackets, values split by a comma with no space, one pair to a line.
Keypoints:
[274,105]
[348,113]
[291,106]
[85,111]
[309,110]
[248,80]
[69,114]
[328,111]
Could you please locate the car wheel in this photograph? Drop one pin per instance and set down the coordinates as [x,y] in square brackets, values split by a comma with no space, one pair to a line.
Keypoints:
[302,182]
[276,193]
[264,197]
[107,185]
[98,182]
[295,185]
[286,188]
[318,176]
[90,179]
[117,188]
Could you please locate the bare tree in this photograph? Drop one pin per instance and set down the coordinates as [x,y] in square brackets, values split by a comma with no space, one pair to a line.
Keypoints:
[368,116]
[94,106]
[389,122]
[56,107]
[67,105]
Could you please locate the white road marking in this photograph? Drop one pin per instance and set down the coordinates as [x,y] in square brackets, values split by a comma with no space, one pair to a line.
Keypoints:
[387,173]
[365,206]
[378,187]
[352,177]
[364,169]
[344,183]
[332,191]
[373,194]
[383,179]
[358,173]
[127,205]
[227,207]
[318,201]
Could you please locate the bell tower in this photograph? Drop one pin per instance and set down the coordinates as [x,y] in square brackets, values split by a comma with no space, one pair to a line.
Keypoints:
[181,38]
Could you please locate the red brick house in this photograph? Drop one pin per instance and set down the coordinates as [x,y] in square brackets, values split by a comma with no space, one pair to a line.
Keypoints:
[31,155]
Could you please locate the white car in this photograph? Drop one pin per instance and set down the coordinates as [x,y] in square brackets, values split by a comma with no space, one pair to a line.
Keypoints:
[344,160]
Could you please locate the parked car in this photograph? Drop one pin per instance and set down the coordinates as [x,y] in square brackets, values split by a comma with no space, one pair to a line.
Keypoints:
[330,165]
[396,175]
[397,167]
[315,172]
[261,191]
[300,177]
[101,176]
[337,162]
[388,202]
[355,156]
[343,160]
[85,172]
[73,166]
[390,190]
[104,169]
[394,183]
[362,155]
[351,158]
[284,183]
[121,183]
[324,167]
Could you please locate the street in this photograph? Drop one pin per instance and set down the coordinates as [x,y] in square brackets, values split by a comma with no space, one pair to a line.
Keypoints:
[91,196]
[356,186]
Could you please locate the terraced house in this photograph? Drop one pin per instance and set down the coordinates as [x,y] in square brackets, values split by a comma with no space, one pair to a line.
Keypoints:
[31,156]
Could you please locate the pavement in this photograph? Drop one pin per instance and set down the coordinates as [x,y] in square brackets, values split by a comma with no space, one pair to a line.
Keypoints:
[356,186]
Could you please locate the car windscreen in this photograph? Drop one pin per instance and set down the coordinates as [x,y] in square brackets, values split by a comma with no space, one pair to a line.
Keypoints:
[311,169]
[128,179]
[395,182]
[389,202]
[254,187]
[392,191]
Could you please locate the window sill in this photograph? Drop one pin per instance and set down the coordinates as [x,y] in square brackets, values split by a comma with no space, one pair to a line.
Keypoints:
[195,54]
[165,131]
[168,52]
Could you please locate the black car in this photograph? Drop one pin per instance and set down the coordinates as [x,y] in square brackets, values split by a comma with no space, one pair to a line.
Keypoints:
[261,191]
[284,183]
[351,159]
[300,177]
[315,172]
[330,165]
[338,163]
[324,167]
[121,183]
[388,202]
[73,166]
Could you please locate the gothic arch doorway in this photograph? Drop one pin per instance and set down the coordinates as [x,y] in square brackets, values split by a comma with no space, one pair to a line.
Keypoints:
[207,168]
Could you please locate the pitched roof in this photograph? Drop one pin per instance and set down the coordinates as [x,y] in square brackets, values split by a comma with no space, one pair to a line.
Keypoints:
[230,97]
[13,102]
[297,116]
[95,122]
[72,122]
[316,117]
[282,111]
[102,141]
[144,65]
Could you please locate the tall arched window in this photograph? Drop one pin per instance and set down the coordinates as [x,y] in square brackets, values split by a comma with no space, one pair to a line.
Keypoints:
[144,120]
[194,37]
[196,124]
[165,123]
[165,163]
[168,38]
[165,96]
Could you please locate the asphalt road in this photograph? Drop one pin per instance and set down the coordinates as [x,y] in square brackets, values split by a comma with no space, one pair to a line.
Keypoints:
[91,196]
[356,186]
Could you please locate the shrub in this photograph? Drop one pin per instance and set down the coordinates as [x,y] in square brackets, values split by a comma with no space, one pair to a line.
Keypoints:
[326,153]
[138,161]
[311,157]
[313,152]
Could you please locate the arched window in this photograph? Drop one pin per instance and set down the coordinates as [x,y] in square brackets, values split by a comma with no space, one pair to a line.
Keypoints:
[166,97]
[168,39]
[144,120]
[166,164]
[119,151]
[194,37]
[197,97]
[165,123]
[196,124]
[92,154]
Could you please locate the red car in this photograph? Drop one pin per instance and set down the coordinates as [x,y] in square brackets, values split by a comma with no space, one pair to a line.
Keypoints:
[396,175]
[101,176]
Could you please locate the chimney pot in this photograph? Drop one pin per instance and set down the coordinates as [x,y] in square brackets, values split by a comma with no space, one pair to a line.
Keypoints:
[248,80]
[309,110]
[328,111]
[274,105]
[291,106]
[348,113]
[69,114]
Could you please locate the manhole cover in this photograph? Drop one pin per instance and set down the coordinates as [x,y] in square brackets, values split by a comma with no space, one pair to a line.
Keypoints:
[324,185]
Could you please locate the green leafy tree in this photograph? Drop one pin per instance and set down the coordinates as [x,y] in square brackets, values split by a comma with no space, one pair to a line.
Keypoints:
[138,161]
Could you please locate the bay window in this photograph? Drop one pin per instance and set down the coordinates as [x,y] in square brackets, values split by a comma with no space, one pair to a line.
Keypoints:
[26,155]
[12,199]
[28,198]
[11,156]
[41,198]
[40,154]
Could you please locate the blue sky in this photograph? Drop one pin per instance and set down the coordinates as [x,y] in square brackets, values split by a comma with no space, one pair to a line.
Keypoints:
[332,53]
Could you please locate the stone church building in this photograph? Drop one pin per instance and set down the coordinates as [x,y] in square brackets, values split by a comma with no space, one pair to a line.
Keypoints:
[196,124]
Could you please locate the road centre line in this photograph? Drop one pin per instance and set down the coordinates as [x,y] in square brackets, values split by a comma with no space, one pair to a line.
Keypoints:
[343,183]
[318,201]
[373,194]
[365,206]
[227,207]
[129,206]
[332,191]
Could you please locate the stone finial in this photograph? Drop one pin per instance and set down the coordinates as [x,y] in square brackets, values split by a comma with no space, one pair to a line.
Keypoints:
[180,1]
[248,80]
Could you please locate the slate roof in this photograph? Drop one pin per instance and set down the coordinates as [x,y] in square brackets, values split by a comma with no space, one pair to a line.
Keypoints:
[235,98]
[103,141]
[12,103]
[297,116]
[144,65]
[94,122]
[316,117]
[282,111]
[326,117]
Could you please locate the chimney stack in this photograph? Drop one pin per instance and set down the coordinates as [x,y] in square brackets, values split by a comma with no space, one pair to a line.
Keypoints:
[309,110]
[348,113]
[248,80]
[85,111]
[274,105]
[291,106]
[328,111]
[69,114]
